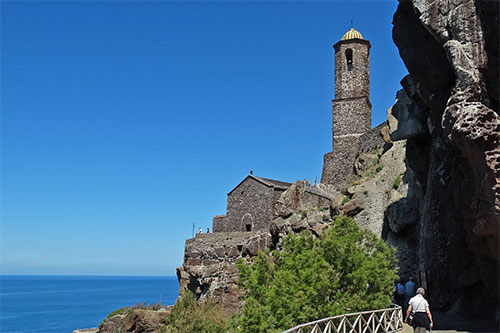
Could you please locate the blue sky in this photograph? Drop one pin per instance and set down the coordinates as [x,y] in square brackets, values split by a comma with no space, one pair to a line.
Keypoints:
[123,123]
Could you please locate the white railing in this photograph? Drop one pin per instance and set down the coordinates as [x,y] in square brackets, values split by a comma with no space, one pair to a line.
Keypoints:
[377,321]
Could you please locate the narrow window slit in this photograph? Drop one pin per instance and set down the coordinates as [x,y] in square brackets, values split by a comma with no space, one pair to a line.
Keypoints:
[348,58]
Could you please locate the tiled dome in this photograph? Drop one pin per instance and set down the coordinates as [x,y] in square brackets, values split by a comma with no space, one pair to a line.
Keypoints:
[352,34]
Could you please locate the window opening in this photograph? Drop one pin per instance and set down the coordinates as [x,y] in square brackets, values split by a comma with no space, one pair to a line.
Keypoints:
[348,58]
[249,227]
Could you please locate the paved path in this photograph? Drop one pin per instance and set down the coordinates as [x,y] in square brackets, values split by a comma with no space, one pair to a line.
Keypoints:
[480,327]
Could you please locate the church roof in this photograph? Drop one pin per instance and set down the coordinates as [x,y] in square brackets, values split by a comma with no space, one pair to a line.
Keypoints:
[274,183]
[352,34]
[267,182]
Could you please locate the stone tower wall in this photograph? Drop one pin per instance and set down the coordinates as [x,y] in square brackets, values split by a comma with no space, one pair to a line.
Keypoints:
[351,110]
[351,118]
[354,83]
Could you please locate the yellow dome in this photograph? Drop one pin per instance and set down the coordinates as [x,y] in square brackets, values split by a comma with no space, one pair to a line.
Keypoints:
[352,34]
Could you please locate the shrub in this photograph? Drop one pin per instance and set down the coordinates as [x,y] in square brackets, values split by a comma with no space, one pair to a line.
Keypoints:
[303,214]
[188,316]
[139,305]
[379,168]
[120,311]
[346,199]
[345,270]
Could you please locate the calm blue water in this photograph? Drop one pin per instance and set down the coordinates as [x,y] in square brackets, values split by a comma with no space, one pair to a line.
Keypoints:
[54,304]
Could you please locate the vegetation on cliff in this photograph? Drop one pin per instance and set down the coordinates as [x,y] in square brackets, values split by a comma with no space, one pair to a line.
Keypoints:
[346,270]
[188,315]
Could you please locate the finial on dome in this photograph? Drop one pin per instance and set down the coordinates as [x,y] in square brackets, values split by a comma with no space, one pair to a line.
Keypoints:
[352,34]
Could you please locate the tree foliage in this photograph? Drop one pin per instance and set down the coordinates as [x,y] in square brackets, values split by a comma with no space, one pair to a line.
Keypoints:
[345,270]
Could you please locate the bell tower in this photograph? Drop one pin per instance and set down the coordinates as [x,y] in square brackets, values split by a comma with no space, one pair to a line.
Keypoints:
[351,108]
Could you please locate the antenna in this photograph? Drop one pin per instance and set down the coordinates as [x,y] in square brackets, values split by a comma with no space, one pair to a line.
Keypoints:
[193,230]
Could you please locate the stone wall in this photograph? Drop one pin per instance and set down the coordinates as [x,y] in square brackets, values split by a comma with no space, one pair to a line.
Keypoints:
[220,223]
[209,264]
[338,165]
[251,202]
[374,139]
[350,116]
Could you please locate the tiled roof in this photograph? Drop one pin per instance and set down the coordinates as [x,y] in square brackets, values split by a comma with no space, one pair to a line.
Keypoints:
[266,181]
[274,183]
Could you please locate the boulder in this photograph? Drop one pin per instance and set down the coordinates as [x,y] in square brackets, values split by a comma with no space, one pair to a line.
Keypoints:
[301,196]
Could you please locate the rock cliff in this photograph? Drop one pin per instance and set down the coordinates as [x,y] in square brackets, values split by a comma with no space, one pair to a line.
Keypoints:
[449,115]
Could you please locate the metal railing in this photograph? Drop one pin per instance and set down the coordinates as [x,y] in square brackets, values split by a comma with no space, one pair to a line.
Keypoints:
[377,321]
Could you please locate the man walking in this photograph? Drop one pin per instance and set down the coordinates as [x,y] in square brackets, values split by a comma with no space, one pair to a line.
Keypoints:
[409,291]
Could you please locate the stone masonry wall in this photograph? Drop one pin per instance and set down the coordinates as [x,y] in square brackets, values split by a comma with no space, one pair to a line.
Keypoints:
[351,116]
[209,264]
[338,165]
[249,203]
[373,139]
[354,83]
[220,223]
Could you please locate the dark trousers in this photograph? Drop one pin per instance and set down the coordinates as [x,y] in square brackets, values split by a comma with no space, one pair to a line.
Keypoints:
[400,299]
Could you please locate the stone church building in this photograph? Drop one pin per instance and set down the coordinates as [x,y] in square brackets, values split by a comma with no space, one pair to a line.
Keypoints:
[250,205]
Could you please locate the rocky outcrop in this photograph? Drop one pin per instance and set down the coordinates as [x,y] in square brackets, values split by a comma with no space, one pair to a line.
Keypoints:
[302,207]
[375,189]
[135,321]
[302,196]
[449,115]
[209,264]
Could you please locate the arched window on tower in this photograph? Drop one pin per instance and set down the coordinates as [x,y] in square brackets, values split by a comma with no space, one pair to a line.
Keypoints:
[348,59]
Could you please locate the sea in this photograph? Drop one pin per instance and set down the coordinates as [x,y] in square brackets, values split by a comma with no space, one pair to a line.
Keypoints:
[61,304]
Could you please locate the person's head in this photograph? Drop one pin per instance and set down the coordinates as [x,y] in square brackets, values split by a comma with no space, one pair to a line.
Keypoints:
[410,279]
[421,291]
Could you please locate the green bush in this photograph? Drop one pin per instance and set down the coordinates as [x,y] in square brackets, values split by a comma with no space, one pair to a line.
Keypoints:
[346,199]
[188,316]
[120,311]
[379,168]
[345,270]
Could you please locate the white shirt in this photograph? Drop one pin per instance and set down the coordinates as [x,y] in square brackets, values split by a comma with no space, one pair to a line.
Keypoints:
[418,303]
